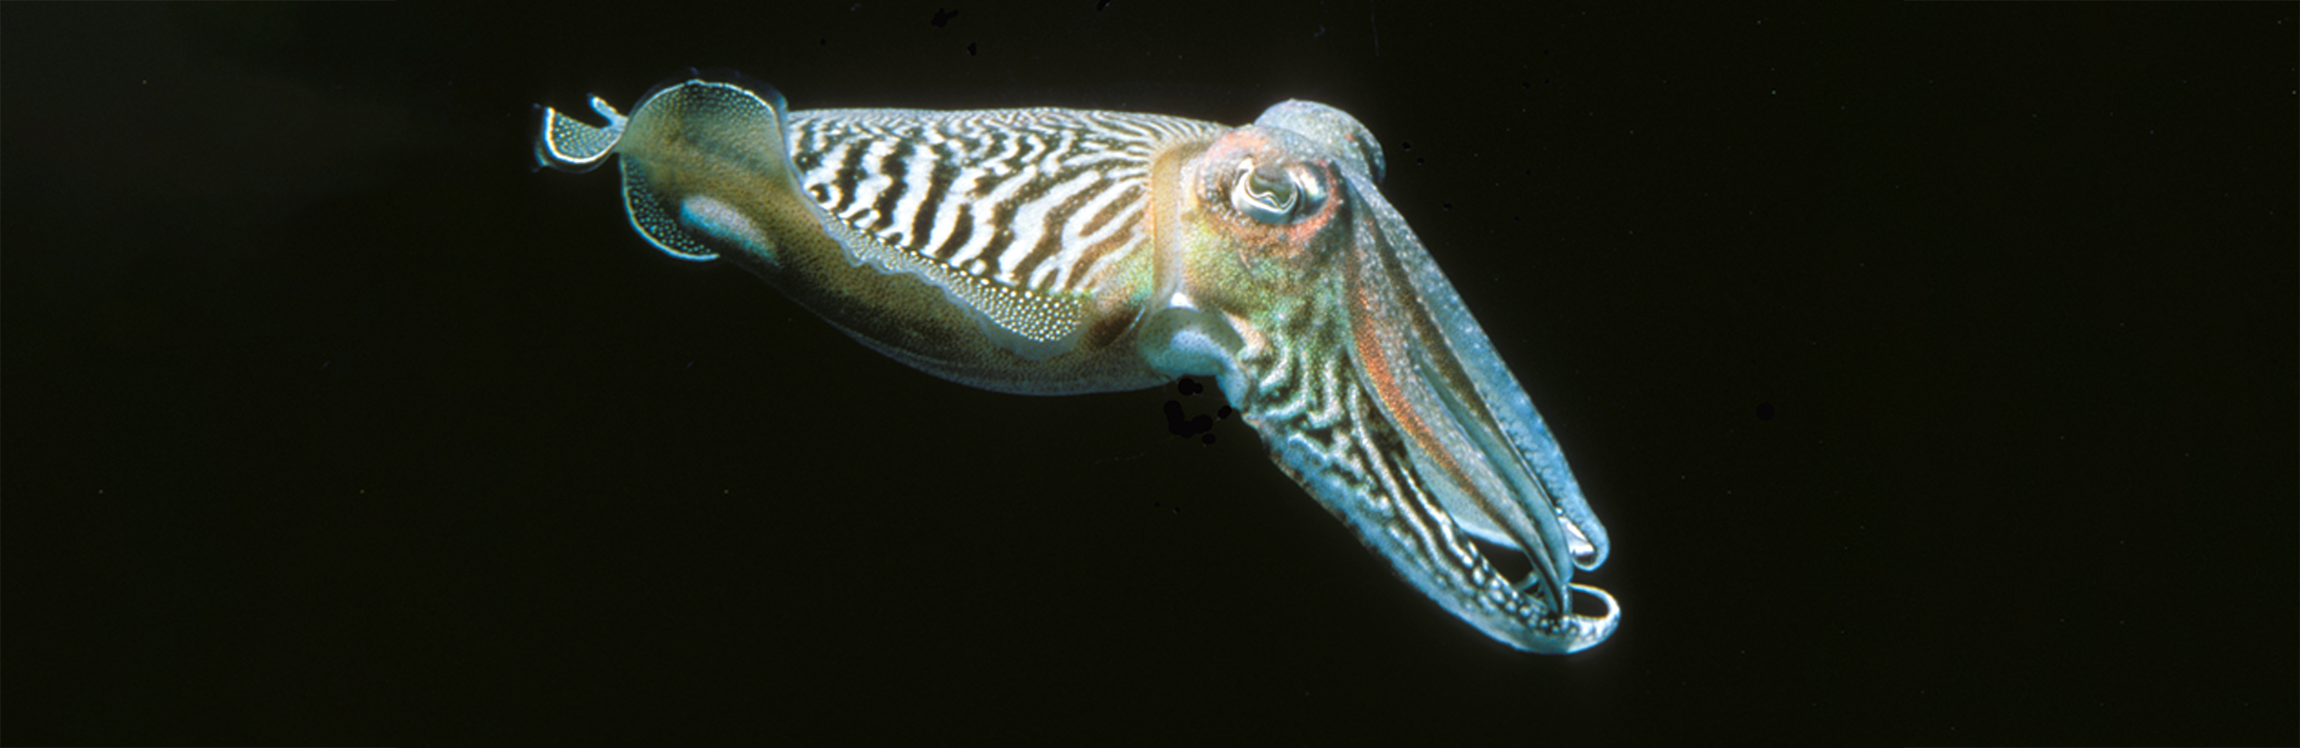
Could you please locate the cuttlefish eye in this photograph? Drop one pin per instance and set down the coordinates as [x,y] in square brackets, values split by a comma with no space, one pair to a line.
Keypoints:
[1276,194]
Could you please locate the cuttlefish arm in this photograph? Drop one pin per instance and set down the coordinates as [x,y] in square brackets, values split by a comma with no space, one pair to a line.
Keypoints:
[1331,329]
[1053,251]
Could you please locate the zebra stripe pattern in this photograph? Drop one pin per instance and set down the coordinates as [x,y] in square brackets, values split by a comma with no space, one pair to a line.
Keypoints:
[1333,432]
[1039,200]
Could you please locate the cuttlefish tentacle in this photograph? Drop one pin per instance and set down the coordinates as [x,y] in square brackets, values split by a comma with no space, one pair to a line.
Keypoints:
[1054,251]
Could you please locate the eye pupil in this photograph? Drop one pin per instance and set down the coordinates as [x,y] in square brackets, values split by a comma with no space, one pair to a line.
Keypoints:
[1269,194]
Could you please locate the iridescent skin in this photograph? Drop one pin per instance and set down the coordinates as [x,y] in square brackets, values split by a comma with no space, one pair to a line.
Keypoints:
[1270,263]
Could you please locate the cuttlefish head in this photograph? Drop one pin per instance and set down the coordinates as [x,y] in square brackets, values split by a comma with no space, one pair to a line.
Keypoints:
[1285,275]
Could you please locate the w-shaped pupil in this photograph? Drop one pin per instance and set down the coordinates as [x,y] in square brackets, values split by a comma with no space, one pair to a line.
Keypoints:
[1263,193]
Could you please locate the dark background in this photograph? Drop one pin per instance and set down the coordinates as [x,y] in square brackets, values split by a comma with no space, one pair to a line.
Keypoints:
[1932,365]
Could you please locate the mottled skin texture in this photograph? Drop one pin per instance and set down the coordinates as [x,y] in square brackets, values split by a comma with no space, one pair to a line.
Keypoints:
[1271,263]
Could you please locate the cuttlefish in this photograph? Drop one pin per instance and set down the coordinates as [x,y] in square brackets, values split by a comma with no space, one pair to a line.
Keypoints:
[1061,251]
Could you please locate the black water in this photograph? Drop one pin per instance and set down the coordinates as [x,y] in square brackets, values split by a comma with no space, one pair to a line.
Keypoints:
[1932,365]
